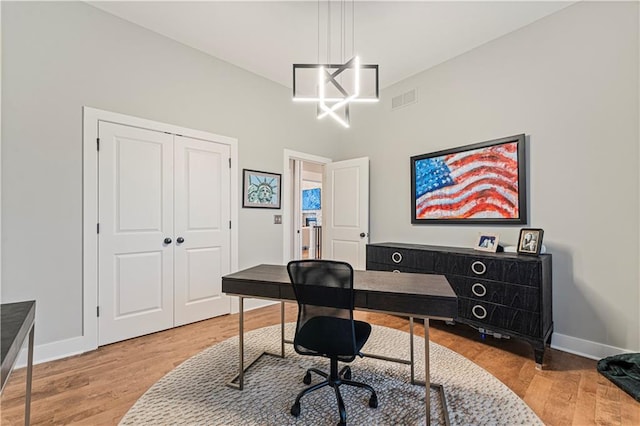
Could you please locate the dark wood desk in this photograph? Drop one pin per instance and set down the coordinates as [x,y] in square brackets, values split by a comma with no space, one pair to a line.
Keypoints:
[17,320]
[413,295]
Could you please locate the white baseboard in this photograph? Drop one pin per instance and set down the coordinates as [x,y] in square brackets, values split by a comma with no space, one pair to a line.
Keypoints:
[52,351]
[585,348]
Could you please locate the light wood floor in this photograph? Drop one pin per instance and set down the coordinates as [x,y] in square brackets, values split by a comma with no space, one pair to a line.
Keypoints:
[97,388]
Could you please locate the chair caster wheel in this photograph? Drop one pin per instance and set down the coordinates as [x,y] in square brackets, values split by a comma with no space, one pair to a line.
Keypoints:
[295,410]
[373,401]
[307,379]
[342,423]
[347,374]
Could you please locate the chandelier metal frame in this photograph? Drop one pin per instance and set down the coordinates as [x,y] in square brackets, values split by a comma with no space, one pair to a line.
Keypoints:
[328,76]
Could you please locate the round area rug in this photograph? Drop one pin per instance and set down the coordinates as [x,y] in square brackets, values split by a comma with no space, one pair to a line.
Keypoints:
[195,393]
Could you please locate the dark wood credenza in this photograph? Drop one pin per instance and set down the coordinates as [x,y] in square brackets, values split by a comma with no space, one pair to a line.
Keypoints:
[502,294]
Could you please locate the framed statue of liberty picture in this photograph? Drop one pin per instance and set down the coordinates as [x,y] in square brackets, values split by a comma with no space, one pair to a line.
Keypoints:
[261,189]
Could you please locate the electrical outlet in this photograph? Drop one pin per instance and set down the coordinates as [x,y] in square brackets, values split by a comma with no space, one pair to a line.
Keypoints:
[277,219]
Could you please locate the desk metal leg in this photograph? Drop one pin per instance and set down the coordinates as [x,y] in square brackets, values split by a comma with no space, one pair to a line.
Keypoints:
[238,381]
[413,373]
[241,343]
[427,373]
[240,377]
[427,382]
[282,329]
[27,402]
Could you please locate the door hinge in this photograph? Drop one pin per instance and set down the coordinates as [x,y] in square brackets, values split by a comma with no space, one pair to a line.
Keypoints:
[229,224]
[97,228]
[98,144]
[229,162]
[97,311]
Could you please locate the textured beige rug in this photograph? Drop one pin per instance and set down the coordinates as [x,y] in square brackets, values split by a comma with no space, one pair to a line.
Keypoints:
[195,392]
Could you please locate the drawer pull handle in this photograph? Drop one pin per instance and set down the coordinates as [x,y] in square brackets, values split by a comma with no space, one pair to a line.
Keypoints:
[481,309]
[396,257]
[478,267]
[395,271]
[479,290]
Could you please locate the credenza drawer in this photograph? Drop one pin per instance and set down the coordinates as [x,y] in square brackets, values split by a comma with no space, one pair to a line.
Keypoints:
[515,296]
[421,261]
[498,269]
[504,317]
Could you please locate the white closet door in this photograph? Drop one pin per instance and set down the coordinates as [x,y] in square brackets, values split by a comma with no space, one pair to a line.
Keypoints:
[135,276]
[203,237]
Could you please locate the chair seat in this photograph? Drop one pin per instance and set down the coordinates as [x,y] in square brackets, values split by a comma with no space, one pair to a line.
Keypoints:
[331,336]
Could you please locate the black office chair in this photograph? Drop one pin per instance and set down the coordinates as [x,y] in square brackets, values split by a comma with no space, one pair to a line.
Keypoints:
[325,327]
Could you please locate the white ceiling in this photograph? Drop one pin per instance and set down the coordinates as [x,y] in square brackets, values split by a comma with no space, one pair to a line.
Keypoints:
[267,37]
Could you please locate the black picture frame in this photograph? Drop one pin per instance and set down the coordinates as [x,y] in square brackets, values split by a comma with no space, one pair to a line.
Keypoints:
[530,241]
[482,183]
[261,190]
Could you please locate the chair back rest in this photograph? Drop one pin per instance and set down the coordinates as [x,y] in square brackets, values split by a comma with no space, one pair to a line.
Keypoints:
[326,283]
[323,288]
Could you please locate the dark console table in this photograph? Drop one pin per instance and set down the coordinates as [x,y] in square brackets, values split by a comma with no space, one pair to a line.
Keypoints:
[502,294]
[17,320]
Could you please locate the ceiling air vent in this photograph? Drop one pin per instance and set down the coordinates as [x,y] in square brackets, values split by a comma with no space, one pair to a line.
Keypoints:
[407,98]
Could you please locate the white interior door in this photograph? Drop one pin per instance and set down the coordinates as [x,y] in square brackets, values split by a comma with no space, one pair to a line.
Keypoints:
[203,237]
[345,207]
[135,273]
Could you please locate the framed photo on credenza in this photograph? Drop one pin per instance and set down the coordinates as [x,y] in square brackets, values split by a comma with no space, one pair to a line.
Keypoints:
[487,242]
[530,241]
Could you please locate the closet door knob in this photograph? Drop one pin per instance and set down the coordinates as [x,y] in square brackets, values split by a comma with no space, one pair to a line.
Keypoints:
[180,240]
[167,240]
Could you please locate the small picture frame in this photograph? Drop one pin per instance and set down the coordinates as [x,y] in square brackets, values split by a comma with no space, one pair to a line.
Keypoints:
[261,190]
[530,241]
[487,242]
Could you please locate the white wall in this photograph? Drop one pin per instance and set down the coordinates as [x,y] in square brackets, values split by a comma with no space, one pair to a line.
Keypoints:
[570,82]
[58,57]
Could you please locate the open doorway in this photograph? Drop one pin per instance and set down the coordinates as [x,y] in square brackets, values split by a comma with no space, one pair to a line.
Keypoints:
[308,219]
[302,205]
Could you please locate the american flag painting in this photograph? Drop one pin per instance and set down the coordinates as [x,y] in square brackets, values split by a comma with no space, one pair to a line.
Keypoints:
[481,183]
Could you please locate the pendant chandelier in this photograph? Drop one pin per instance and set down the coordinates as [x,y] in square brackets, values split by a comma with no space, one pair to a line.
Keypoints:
[335,86]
